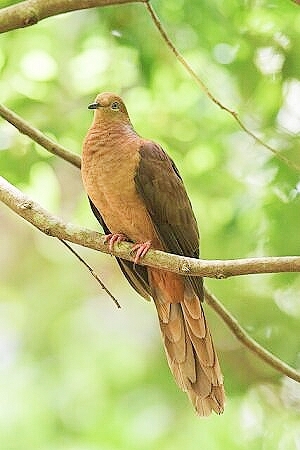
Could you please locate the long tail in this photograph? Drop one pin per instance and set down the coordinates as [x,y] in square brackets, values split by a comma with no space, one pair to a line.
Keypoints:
[188,343]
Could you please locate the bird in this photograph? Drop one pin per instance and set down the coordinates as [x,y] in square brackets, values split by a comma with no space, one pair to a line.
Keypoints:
[137,194]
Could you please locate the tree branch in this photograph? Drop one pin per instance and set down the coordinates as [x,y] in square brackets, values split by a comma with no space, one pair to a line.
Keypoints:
[30,12]
[38,137]
[203,86]
[53,226]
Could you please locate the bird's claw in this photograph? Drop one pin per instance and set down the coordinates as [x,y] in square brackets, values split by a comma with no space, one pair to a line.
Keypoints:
[140,250]
[114,238]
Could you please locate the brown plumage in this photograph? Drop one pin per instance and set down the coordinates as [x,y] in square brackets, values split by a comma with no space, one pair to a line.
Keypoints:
[136,192]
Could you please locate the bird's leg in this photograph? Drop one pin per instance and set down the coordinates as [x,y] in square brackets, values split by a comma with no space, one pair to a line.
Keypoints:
[113,238]
[141,250]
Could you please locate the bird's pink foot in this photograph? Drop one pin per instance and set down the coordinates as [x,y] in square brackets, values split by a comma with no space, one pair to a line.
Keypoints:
[141,250]
[113,238]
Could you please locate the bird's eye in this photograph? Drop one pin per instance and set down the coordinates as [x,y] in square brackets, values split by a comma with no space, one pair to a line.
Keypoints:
[115,106]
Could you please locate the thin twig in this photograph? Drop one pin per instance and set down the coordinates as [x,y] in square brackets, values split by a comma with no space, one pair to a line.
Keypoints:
[203,86]
[38,137]
[247,340]
[92,272]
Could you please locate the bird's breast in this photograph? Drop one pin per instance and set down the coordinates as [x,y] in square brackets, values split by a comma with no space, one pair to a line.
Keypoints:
[108,176]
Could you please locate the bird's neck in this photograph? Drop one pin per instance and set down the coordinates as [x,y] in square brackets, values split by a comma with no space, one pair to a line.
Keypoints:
[110,134]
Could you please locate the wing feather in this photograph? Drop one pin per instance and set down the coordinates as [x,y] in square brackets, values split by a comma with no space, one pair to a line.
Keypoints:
[162,190]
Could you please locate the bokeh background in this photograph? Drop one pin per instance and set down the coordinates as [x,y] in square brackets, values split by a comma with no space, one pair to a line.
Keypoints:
[75,372]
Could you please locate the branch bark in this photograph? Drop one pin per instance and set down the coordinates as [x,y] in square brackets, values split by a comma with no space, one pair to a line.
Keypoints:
[30,12]
[53,226]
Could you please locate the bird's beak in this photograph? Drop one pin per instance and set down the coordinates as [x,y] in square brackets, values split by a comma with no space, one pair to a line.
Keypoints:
[94,106]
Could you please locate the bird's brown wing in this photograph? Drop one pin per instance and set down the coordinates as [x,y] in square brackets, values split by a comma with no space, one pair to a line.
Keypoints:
[136,275]
[161,188]
[187,339]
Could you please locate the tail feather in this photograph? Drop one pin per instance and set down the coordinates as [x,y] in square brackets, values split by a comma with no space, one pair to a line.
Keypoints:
[184,372]
[164,312]
[196,325]
[194,308]
[188,344]
[174,327]
[177,349]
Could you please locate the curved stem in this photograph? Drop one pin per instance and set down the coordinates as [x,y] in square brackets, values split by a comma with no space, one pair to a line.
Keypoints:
[247,340]
[203,86]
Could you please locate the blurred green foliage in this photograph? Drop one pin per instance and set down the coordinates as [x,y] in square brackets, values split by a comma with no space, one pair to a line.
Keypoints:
[75,373]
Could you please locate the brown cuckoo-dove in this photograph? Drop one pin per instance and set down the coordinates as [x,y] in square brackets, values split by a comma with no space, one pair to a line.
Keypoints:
[137,194]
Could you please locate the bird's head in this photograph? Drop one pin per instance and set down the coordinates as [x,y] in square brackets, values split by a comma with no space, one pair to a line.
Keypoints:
[109,107]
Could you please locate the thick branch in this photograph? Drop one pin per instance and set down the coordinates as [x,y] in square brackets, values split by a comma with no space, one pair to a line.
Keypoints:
[54,226]
[30,12]
[39,137]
